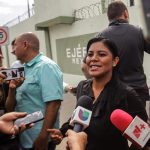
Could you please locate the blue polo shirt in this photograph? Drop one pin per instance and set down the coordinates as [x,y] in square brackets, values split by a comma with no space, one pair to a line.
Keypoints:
[43,83]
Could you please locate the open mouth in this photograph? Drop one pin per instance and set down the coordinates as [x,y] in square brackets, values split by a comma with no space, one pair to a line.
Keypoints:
[95,66]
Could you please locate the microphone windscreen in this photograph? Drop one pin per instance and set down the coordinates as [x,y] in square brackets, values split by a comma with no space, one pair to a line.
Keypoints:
[120,119]
[85,102]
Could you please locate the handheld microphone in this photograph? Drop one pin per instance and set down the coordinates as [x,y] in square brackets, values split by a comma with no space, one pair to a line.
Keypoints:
[81,116]
[135,130]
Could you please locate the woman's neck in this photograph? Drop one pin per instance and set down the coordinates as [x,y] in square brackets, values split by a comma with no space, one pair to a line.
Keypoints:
[99,84]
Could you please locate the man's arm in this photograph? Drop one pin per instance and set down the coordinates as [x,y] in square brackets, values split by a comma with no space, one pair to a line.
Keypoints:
[41,142]
[11,98]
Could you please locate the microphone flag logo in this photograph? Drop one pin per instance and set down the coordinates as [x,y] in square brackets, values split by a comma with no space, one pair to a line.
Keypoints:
[138,130]
[83,114]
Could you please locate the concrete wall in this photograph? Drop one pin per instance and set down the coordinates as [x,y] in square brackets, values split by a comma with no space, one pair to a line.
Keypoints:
[49,9]
[24,26]
[87,26]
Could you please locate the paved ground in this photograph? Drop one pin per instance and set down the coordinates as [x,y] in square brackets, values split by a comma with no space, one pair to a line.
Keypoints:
[66,110]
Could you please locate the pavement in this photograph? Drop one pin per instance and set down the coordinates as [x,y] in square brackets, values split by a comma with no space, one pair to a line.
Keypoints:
[67,107]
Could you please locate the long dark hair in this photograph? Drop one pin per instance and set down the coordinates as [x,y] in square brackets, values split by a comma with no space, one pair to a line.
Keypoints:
[107,42]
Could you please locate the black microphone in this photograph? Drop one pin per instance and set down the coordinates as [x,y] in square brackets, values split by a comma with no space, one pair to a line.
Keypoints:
[81,116]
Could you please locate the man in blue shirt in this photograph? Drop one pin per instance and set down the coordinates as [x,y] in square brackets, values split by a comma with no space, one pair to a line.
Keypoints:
[42,90]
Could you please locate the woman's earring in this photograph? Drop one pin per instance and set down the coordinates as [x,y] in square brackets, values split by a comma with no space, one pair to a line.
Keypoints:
[114,65]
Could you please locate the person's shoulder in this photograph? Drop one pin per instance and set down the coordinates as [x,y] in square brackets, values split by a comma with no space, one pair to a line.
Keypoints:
[47,61]
[103,32]
[49,65]
[83,87]
[134,27]
[84,83]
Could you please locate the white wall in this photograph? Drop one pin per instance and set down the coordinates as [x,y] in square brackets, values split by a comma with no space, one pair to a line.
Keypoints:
[48,9]
[25,26]
[146,65]
[81,27]
[92,25]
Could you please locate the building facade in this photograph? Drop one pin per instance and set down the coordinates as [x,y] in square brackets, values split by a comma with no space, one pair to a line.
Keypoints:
[64,27]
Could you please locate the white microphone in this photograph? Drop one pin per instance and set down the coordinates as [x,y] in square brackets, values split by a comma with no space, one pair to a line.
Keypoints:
[81,116]
[135,130]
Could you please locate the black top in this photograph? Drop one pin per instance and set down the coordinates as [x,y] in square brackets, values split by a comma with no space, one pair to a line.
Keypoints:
[102,135]
[131,44]
[3,95]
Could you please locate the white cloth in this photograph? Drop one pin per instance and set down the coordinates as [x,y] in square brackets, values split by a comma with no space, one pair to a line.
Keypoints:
[16,64]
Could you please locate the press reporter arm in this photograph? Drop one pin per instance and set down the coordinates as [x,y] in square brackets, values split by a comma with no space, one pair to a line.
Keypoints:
[57,135]
[11,98]
[2,76]
[7,122]
[68,88]
[41,142]
[76,141]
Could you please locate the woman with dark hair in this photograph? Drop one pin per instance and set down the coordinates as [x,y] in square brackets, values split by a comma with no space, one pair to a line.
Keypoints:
[108,94]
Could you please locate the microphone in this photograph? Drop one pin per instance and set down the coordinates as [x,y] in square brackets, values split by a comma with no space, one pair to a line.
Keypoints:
[81,116]
[135,130]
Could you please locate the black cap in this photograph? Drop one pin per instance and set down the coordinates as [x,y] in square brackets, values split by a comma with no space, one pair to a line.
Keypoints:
[85,102]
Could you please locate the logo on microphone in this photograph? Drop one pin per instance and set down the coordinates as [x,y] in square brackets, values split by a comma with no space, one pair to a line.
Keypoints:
[73,114]
[138,130]
[83,115]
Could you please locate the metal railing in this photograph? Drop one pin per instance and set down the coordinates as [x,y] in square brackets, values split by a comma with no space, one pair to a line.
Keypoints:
[96,9]
[82,13]
[90,11]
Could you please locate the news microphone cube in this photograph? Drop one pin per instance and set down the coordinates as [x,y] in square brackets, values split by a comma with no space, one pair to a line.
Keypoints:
[138,132]
[81,116]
